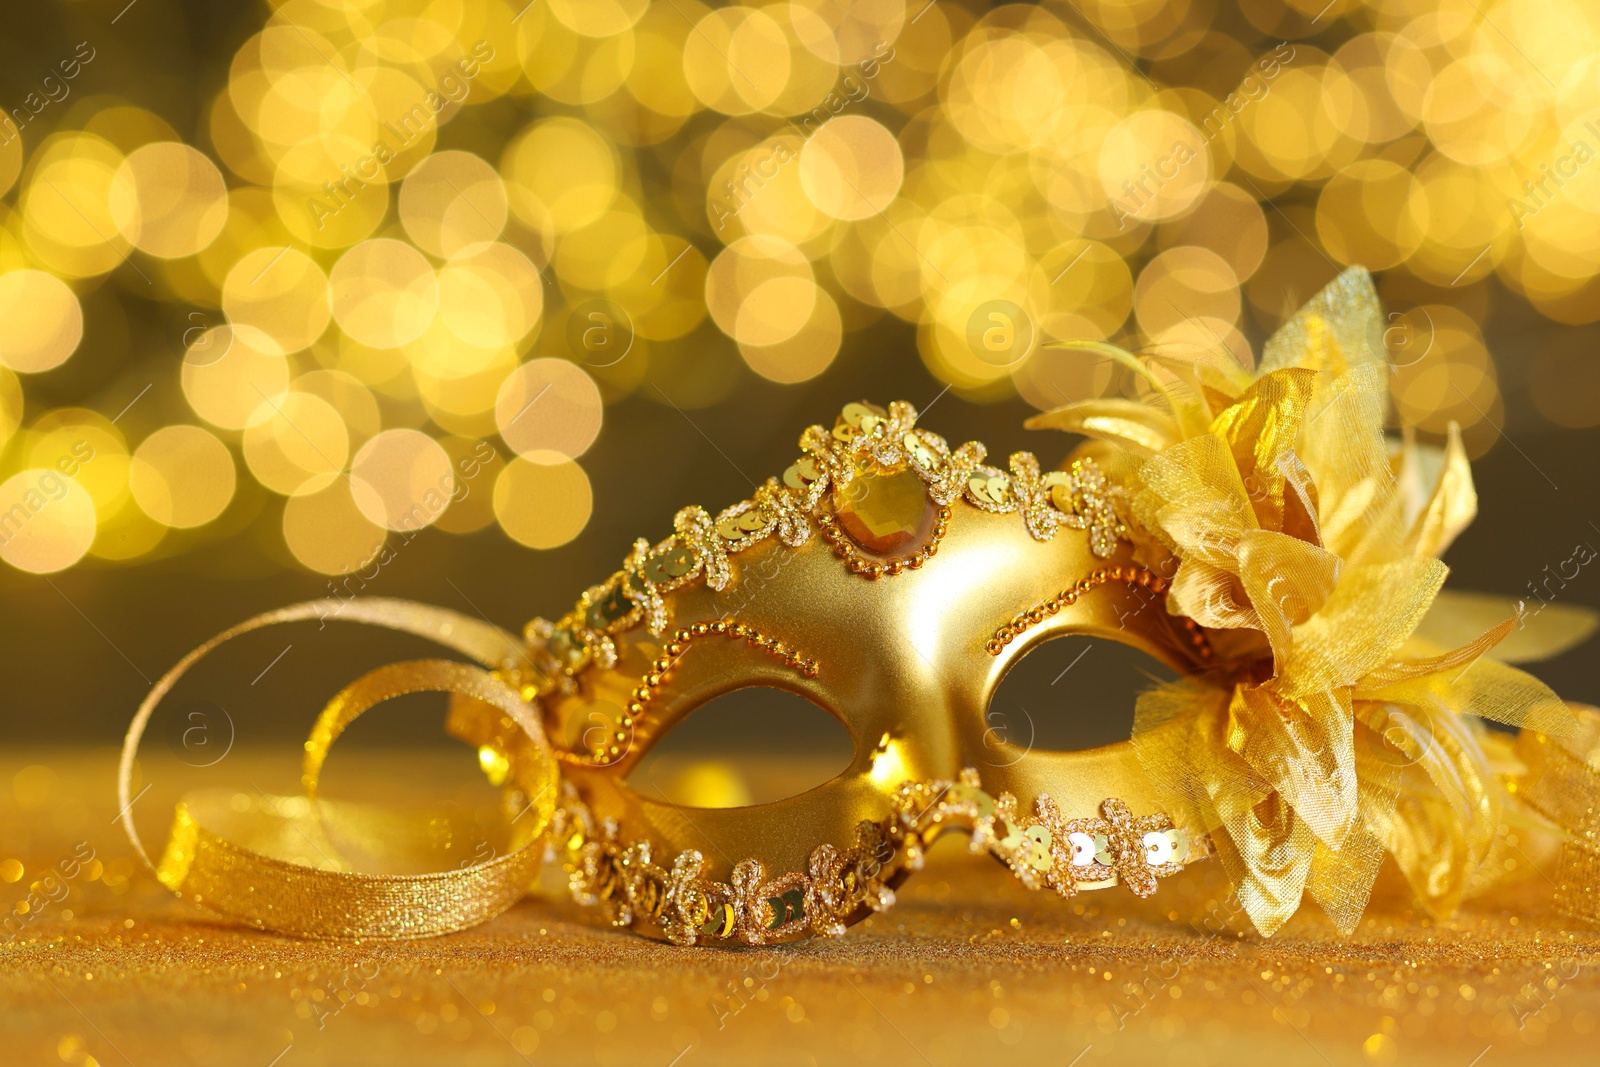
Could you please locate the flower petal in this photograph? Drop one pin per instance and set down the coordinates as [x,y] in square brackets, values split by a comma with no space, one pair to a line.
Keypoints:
[1543,630]
[1260,429]
[1305,750]
[1267,854]
[1452,504]
[1287,581]
[1343,446]
[1338,329]
[1212,596]
[1341,879]
[1179,734]
[1191,495]
[1441,823]
[1488,689]
[1461,656]
[1370,614]
[1138,427]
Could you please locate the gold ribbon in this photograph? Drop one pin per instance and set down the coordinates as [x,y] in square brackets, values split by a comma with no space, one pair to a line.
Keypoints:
[279,863]
[1562,783]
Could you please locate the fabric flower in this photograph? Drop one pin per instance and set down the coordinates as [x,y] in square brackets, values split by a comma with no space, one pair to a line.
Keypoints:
[1336,726]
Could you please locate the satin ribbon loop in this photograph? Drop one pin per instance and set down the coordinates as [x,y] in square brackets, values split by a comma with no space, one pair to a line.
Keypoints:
[276,863]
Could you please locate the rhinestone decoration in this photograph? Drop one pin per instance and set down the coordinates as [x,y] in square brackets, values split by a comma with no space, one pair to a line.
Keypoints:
[875,569]
[885,512]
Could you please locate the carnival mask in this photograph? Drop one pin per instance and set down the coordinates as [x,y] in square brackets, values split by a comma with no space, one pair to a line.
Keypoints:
[1251,530]
[892,581]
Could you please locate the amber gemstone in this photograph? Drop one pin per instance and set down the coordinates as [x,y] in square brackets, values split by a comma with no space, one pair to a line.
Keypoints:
[885,512]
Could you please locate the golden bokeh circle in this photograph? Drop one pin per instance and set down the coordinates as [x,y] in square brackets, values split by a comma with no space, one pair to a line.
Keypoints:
[327,533]
[490,295]
[560,175]
[806,352]
[1154,165]
[296,443]
[88,448]
[402,479]
[47,521]
[43,321]
[737,60]
[851,168]
[549,405]
[451,201]
[281,292]
[542,500]
[229,371]
[743,267]
[182,476]
[169,200]
[384,293]
[599,18]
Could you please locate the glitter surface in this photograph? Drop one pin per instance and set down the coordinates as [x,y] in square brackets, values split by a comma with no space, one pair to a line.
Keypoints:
[111,969]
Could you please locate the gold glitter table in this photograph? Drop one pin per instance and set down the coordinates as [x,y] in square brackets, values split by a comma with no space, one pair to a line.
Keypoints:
[969,967]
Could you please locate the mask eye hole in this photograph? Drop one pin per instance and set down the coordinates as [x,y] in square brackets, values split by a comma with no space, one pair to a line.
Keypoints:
[1068,694]
[755,745]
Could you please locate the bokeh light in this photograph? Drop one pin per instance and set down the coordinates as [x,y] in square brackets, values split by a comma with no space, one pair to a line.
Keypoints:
[169,200]
[385,293]
[326,531]
[403,243]
[47,521]
[281,292]
[851,168]
[230,371]
[542,500]
[548,405]
[296,443]
[182,476]
[402,480]
[44,321]
[450,201]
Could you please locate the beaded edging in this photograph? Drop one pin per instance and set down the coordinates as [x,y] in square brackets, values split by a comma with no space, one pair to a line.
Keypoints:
[1045,849]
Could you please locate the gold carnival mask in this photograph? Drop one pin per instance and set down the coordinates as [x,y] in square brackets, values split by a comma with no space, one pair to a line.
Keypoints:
[892,581]
[1253,531]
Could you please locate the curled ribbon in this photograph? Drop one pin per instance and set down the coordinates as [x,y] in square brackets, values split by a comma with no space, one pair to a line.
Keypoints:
[271,862]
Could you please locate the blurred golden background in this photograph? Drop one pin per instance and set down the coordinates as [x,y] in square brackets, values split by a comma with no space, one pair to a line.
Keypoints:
[452,299]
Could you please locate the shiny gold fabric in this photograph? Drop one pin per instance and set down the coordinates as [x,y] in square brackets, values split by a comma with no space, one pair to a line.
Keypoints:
[1562,783]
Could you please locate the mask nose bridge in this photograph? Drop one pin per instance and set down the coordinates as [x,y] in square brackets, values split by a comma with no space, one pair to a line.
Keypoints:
[900,708]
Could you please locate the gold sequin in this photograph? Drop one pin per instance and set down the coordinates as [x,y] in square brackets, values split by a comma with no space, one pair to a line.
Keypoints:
[837,884]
